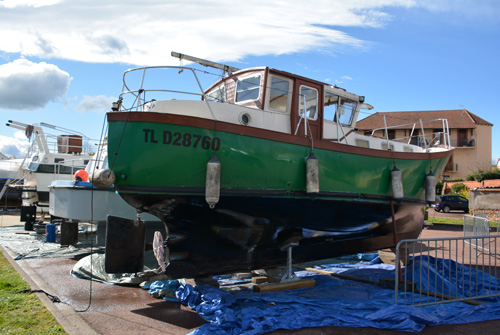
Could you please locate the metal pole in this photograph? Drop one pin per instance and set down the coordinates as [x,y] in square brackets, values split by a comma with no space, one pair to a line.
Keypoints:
[386,134]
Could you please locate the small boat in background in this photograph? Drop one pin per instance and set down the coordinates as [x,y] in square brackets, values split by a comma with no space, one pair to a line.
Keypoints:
[50,157]
[262,161]
[78,200]
[10,172]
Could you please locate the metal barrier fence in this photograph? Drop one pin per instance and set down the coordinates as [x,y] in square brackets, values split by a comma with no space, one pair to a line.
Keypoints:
[443,270]
[477,225]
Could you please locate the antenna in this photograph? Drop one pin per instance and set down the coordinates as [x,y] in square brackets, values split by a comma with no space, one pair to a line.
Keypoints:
[205,62]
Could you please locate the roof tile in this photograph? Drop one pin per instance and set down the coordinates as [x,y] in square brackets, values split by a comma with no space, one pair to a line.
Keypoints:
[460,118]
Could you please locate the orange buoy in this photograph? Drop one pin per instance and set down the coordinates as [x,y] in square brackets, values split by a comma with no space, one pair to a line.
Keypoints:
[81,175]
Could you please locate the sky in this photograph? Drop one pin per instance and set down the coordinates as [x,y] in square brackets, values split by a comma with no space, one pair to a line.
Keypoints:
[62,61]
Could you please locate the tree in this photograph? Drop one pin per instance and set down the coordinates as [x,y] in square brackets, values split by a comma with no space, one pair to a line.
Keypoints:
[460,189]
[483,175]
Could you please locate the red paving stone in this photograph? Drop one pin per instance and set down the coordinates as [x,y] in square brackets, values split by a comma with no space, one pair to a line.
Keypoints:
[114,309]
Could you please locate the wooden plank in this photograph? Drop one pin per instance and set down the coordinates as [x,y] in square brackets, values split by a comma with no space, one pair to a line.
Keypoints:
[262,279]
[384,283]
[242,275]
[388,256]
[338,275]
[274,287]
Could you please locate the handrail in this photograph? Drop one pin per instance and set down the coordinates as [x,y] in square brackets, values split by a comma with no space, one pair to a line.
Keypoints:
[137,93]
[445,132]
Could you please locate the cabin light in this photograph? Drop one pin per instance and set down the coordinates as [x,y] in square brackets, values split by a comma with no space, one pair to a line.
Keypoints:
[361,99]
[114,106]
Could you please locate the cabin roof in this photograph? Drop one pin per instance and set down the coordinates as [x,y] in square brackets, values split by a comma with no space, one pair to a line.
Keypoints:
[271,70]
[459,118]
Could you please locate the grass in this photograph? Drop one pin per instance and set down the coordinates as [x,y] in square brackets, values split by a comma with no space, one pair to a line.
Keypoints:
[434,219]
[460,222]
[21,312]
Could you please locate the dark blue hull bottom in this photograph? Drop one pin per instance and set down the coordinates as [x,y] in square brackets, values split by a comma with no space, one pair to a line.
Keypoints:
[11,198]
[248,232]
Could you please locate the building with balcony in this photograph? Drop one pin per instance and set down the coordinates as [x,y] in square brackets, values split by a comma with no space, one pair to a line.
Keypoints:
[468,133]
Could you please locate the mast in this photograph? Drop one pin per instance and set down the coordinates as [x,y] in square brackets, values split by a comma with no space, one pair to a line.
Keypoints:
[205,62]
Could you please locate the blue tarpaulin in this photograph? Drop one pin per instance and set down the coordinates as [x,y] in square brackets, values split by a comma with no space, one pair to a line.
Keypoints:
[332,302]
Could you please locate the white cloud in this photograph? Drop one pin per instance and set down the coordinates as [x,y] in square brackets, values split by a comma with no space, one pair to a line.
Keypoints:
[346,78]
[145,33]
[27,3]
[98,103]
[20,135]
[25,85]
[14,146]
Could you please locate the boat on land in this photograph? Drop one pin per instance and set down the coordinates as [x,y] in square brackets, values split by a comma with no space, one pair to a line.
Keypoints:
[51,156]
[78,200]
[262,161]
[9,172]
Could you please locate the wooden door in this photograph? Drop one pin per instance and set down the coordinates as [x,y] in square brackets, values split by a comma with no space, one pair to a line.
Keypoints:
[307,121]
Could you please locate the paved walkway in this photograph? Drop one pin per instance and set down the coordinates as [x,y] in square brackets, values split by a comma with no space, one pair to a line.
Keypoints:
[130,310]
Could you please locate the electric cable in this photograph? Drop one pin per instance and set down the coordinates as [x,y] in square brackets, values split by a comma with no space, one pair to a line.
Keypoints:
[97,160]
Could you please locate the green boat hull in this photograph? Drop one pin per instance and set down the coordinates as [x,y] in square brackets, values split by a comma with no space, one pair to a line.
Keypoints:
[160,163]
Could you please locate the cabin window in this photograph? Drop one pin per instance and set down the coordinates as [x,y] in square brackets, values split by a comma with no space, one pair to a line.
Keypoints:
[346,110]
[217,95]
[331,102]
[248,89]
[343,107]
[362,143]
[278,97]
[310,97]
[385,147]
[408,149]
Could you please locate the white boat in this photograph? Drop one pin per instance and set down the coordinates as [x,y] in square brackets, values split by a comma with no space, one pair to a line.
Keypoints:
[80,201]
[50,157]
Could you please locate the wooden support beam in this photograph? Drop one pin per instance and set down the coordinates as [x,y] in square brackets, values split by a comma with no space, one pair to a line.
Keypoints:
[274,287]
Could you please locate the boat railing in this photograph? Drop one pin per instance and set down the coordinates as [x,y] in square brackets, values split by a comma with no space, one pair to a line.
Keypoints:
[73,144]
[68,167]
[67,139]
[420,135]
[138,99]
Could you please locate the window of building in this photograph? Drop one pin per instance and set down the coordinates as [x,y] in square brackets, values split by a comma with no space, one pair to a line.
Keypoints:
[248,88]
[462,137]
[437,136]
[414,137]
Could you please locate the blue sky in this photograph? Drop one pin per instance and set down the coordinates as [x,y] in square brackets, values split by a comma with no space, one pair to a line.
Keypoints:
[61,61]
